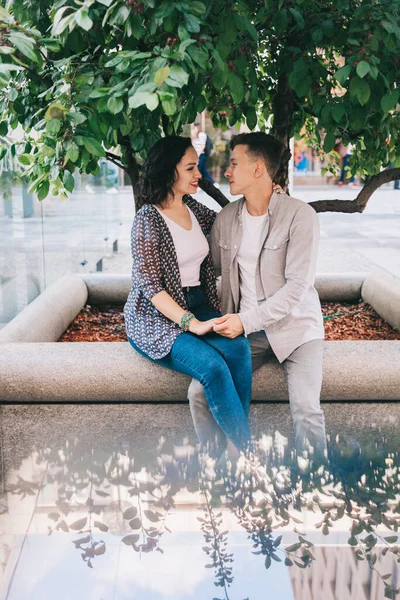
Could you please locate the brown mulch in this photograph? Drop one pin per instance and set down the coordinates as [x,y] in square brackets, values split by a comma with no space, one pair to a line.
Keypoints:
[347,322]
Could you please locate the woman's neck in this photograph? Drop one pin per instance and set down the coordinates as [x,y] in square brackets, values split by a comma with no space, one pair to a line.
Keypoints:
[173,201]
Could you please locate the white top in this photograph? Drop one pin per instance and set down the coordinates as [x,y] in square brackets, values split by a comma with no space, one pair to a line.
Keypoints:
[248,254]
[199,142]
[191,248]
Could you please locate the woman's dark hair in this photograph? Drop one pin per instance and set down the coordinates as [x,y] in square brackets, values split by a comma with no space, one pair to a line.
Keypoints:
[159,169]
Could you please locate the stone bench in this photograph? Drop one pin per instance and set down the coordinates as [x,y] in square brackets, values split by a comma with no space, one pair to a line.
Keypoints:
[35,368]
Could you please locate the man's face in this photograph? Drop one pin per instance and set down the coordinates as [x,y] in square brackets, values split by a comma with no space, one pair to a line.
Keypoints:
[241,171]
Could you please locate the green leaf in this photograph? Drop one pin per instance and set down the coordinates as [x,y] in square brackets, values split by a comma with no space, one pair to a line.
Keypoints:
[161,75]
[55,111]
[25,159]
[169,106]
[72,152]
[251,117]
[280,20]
[69,181]
[337,112]
[197,8]
[105,2]
[363,68]
[3,128]
[329,141]
[298,17]
[93,146]
[177,77]
[183,33]
[388,26]
[6,50]
[342,74]
[83,20]
[192,24]
[115,105]
[53,126]
[153,101]
[236,87]
[199,56]
[389,100]
[76,118]
[24,44]
[363,92]
[267,561]
[42,190]
[58,28]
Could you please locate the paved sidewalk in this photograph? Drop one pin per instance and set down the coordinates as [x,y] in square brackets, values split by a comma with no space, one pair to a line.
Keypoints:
[349,243]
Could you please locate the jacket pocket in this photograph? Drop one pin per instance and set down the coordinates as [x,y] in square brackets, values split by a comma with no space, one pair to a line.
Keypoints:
[273,258]
[225,253]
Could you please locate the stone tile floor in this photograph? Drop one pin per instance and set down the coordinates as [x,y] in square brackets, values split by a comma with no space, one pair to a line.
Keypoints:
[78,480]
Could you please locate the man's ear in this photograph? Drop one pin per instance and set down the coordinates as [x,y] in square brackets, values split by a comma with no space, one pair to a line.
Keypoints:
[259,168]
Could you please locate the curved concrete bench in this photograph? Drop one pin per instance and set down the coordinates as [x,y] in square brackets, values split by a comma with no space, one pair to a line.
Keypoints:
[114,372]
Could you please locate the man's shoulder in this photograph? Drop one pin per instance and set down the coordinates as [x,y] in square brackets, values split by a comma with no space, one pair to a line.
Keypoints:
[229,211]
[297,206]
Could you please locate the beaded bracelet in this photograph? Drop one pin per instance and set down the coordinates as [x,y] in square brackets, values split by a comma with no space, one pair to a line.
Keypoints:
[185,320]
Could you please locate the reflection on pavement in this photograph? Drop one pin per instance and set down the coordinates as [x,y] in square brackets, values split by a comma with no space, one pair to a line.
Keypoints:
[118,502]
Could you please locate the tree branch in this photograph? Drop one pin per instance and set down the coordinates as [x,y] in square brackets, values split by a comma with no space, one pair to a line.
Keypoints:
[114,159]
[215,193]
[359,204]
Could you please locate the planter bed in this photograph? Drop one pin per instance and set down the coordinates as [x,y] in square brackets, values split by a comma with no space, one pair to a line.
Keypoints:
[342,322]
[34,367]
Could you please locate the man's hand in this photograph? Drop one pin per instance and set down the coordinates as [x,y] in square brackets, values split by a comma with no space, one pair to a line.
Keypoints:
[229,326]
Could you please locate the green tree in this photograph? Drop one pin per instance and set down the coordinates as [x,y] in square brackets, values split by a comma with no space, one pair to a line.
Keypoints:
[105,78]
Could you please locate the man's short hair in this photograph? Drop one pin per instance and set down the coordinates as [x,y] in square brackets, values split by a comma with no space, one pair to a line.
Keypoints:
[261,146]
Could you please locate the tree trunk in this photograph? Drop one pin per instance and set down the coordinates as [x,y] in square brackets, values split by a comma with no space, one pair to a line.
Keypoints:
[133,172]
[283,107]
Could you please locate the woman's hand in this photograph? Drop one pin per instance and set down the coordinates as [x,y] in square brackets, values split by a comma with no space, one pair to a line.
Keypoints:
[277,188]
[201,327]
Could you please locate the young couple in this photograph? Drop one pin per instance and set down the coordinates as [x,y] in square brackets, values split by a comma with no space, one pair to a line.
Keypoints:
[264,246]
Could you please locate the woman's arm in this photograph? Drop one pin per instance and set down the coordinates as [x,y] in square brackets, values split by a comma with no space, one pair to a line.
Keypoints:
[171,309]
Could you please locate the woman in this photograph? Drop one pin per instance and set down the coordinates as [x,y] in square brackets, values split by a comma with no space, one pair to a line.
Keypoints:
[173,301]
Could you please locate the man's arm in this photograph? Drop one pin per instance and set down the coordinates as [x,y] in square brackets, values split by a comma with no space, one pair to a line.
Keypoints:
[301,260]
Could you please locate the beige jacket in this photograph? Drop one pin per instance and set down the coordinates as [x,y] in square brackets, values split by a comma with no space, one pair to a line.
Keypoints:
[289,309]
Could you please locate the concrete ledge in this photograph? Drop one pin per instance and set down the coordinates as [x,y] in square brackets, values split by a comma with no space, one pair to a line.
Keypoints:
[108,288]
[332,287]
[382,292]
[48,316]
[114,372]
[340,287]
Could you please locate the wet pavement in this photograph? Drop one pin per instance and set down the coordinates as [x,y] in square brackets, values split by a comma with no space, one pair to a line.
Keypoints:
[118,502]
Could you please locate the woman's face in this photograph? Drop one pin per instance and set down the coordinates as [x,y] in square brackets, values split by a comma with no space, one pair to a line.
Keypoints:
[188,173]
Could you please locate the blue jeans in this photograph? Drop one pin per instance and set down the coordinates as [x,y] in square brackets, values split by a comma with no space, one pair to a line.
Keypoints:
[222,365]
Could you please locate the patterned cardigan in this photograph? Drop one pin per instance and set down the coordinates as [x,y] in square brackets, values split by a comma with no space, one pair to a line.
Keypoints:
[155,268]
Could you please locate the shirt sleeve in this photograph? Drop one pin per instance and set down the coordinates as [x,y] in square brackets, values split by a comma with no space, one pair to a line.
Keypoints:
[146,272]
[300,271]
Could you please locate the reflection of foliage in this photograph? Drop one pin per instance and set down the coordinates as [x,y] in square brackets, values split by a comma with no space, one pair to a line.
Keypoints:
[358,486]
[217,542]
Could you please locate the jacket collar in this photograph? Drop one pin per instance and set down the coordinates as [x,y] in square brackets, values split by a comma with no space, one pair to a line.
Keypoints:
[274,201]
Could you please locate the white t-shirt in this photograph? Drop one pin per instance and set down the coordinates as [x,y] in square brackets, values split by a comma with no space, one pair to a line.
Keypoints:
[191,248]
[247,258]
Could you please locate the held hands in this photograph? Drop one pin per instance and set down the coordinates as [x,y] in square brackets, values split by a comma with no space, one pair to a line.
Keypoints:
[201,327]
[229,326]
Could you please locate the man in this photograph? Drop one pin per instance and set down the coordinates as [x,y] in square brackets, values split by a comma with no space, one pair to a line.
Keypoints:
[265,247]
